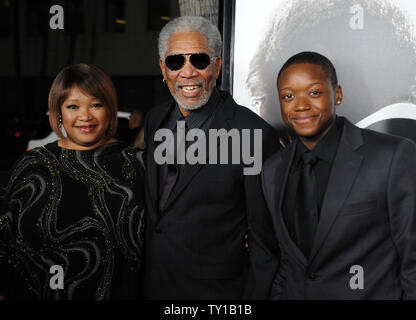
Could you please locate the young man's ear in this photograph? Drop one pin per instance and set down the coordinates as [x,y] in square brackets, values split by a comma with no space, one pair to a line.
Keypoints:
[338,95]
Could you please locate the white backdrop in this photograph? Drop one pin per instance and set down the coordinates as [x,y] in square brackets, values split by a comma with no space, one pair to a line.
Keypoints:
[371,43]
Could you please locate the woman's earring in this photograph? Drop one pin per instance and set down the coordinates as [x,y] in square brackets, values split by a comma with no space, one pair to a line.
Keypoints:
[164,80]
[339,102]
[60,120]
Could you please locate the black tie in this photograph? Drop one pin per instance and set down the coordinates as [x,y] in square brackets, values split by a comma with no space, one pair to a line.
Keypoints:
[173,173]
[308,203]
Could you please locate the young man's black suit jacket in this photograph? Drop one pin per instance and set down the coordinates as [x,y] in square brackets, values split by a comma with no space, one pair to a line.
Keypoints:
[194,248]
[368,219]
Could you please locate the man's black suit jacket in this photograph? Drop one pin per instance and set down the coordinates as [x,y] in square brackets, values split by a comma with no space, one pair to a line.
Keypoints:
[194,248]
[368,221]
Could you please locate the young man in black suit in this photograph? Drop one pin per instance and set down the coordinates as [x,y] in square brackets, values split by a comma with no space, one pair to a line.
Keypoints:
[342,199]
[199,212]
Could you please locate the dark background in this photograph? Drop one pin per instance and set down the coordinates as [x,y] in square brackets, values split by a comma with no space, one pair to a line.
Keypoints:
[119,36]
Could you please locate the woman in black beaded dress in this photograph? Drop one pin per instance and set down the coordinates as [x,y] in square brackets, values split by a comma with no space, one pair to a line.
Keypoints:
[71,220]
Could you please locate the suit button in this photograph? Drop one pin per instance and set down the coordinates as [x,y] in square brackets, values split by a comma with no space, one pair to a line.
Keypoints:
[158,230]
[312,276]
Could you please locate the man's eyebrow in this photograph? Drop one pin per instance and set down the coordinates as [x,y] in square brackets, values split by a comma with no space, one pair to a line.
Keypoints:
[310,85]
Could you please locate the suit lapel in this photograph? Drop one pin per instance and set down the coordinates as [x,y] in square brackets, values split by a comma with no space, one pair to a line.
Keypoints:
[152,172]
[276,184]
[344,170]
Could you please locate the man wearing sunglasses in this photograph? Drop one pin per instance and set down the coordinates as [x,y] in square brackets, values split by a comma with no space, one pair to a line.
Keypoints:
[200,214]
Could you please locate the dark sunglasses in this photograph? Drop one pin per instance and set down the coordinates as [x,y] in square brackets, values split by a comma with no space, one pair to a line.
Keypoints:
[199,60]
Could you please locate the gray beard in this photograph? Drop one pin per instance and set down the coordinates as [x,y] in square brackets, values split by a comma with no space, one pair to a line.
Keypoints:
[204,99]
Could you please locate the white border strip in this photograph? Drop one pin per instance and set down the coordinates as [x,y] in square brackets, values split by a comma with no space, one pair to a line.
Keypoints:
[404,110]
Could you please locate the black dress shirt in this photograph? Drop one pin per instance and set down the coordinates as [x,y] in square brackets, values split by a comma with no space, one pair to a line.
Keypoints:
[198,119]
[325,150]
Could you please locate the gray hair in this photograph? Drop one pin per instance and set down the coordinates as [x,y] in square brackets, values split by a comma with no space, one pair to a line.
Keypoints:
[191,24]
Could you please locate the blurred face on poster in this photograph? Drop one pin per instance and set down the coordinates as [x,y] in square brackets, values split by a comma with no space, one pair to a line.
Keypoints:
[371,43]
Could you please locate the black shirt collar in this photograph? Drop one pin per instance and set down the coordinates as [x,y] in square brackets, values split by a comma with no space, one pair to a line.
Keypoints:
[326,148]
[197,117]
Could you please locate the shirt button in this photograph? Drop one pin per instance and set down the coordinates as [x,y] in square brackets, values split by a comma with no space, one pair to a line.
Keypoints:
[312,276]
[158,230]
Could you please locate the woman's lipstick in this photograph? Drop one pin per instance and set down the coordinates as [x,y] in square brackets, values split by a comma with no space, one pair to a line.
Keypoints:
[86,129]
